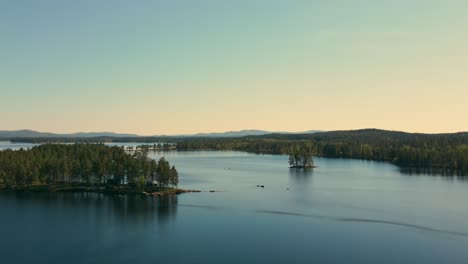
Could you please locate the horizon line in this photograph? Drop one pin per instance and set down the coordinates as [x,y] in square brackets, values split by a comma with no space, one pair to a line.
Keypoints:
[228,131]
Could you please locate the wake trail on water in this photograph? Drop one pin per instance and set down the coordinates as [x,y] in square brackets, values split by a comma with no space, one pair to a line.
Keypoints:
[342,219]
[366,220]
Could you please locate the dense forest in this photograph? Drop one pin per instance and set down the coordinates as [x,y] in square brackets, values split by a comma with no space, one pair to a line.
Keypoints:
[445,153]
[90,164]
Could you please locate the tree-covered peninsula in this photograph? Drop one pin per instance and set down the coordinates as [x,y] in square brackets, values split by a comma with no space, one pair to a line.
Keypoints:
[85,167]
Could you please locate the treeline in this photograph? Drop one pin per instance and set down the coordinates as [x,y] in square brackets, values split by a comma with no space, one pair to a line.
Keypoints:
[438,152]
[249,144]
[90,164]
[151,147]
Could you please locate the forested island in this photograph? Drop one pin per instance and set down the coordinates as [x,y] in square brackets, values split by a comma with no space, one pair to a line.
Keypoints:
[86,167]
[438,153]
[301,161]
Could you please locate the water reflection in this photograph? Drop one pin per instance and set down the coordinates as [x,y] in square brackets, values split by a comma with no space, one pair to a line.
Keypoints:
[446,174]
[300,175]
[115,209]
[144,209]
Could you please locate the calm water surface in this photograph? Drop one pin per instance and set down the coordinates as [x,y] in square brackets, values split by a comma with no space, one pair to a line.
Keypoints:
[15,146]
[344,211]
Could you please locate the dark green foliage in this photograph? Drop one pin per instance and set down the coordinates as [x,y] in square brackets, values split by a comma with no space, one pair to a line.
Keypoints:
[445,153]
[300,156]
[174,177]
[164,172]
[92,164]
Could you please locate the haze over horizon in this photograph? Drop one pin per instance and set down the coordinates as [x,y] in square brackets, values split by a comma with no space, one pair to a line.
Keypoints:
[180,67]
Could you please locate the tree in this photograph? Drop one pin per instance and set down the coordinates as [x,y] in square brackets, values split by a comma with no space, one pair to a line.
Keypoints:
[291,161]
[164,171]
[174,177]
[140,183]
[82,163]
[301,157]
[153,168]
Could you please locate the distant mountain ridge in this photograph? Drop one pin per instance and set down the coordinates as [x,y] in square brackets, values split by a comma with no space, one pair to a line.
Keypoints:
[248,132]
[26,133]
[241,133]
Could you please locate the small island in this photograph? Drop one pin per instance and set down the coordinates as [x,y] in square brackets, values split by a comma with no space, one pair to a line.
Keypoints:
[301,158]
[86,168]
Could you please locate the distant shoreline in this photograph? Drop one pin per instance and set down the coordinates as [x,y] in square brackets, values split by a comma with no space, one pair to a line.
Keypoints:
[104,189]
[445,152]
[303,167]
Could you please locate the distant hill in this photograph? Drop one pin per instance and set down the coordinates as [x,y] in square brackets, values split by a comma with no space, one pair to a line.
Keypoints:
[4,134]
[247,132]
[308,132]
[99,134]
[25,133]
[240,133]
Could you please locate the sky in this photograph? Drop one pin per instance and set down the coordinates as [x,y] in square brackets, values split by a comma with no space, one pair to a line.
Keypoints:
[179,67]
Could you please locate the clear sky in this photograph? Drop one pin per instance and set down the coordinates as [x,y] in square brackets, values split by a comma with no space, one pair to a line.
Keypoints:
[170,67]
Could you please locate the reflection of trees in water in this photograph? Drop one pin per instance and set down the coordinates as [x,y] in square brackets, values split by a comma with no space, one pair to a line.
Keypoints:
[166,207]
[300,175]
[145,209]
[446,174]
[105,209]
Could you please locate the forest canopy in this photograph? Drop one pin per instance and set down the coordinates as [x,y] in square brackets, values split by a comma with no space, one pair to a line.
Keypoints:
[446,153]
[90,164]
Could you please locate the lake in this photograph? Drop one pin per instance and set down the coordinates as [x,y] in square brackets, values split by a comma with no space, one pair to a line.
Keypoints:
[344,211]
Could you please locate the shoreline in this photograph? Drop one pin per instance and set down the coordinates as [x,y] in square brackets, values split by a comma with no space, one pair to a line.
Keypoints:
[109,190]
[303,167]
